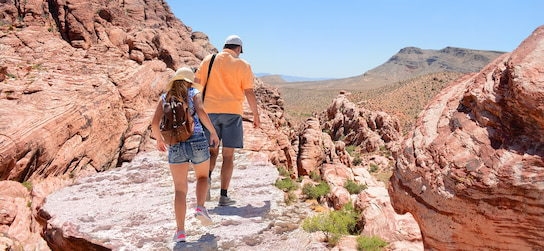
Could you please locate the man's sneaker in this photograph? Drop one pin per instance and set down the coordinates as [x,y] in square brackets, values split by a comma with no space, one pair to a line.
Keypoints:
[179,236]
[226,201]
[208,195]
[202,214]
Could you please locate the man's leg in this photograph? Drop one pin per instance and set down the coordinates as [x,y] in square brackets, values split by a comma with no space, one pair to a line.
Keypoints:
[214,152]
[227,167]
[232,138]
[226,175]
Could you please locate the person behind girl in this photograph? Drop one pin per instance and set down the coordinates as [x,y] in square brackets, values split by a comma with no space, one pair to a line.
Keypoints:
[194,150]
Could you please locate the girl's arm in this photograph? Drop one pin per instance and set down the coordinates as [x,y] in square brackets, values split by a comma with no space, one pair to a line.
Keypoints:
[155,127]
[199,108]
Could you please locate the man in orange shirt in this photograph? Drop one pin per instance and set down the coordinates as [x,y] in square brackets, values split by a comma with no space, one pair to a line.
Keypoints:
[230,83]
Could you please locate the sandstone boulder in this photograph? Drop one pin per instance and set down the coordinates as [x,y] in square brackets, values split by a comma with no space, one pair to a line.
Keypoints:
[471,172]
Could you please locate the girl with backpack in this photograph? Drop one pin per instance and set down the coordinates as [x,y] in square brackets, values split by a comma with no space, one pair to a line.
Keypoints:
[194,150]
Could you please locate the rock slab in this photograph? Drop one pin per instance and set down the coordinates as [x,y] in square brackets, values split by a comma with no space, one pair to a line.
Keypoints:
[472,171]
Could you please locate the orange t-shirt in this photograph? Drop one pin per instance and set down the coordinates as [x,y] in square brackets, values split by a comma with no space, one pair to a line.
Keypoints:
[229,77]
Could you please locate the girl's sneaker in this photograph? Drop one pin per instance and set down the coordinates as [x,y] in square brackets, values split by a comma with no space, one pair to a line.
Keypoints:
[202,214]
[179,236]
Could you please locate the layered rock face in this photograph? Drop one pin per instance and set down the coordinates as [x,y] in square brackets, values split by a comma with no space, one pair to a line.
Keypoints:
[275,134]
[80,82]
[81,79]
[472,172]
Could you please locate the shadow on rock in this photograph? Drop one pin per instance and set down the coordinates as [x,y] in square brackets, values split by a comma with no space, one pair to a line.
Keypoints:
[206,242]
[249,211]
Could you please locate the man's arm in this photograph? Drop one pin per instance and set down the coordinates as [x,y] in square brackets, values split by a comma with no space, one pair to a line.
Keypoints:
[252,100]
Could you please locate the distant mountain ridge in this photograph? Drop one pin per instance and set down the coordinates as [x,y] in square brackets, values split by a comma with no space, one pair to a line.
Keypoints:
[408,63]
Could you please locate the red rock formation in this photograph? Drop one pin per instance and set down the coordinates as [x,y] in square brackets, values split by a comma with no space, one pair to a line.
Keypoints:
[61,96]
[310,152]
[275,133]
[472,172]
[381,220]
[80,82]
[357,126]
[15,218]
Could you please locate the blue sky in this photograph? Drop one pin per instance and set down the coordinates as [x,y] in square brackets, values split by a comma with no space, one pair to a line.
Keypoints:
[347,38]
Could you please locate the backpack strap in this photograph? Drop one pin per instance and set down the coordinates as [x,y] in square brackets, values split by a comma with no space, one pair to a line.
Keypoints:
[208,78]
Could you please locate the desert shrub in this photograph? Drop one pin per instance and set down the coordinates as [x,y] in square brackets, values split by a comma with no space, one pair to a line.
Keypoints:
[350,149]
[316,191]
[354,188]
[387,154]
[334,224]
[373,168]
[286,185]
[28,185]
[357,161]
[283,171]
[373,243]
[290,198]
[315,176]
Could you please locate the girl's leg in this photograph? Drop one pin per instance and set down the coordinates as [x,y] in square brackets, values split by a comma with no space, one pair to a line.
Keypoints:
[179,175]
[201,173]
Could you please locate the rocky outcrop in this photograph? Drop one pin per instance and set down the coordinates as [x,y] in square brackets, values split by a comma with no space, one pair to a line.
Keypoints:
[80,81]
[321,146]
[16,219]
[357,126]
[275,133]
[471,172]
[69,77]
[400,231]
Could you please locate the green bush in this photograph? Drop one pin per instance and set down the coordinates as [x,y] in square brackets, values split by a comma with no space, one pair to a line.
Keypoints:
[283,171]
[373,168]
[28,185]
[354,188]
[350,149]
[286,185]
[291,197]
[315,176]
[373,243]
[334,224]
[357,161]
[317,191]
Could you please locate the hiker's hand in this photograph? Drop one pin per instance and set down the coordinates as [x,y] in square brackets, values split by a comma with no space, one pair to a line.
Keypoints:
[256,121]
[161,145]
[214,140]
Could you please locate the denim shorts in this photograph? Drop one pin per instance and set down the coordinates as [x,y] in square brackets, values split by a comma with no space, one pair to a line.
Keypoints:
[194,150]
[229,129]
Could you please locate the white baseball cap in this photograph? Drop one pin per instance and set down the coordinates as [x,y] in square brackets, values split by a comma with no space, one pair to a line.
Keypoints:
[234,39]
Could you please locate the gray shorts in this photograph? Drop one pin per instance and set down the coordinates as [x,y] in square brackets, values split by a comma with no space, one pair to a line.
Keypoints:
[229,129]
